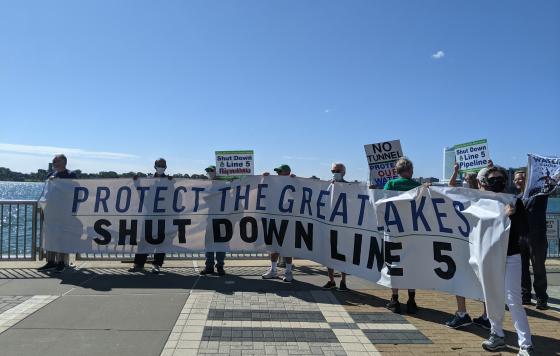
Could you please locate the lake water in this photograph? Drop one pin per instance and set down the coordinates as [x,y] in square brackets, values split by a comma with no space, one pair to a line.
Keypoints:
[16,219]
[20,190]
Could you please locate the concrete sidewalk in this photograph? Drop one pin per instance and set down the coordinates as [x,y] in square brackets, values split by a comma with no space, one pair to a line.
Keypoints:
[99,308]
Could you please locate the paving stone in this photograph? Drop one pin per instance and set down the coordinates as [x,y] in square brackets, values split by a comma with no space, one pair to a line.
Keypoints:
[396,337]
[369,317]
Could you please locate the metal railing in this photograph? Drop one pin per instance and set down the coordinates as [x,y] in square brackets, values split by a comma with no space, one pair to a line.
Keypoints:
[169,256]
[20,225]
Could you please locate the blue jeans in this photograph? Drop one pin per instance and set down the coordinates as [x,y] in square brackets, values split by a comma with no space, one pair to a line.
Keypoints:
[220,257]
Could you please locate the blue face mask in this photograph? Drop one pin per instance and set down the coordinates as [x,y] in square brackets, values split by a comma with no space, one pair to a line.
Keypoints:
[337,177]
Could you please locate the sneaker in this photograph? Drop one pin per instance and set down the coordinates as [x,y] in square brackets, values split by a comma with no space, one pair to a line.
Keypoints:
[221,271]
[288,276]
[526,351]
[411,307]
[494,343]
[480,321]
[136,268]
[270,274]
[458,321]
[394,306]
[60,266]
[156,269]
[343,287]
[542,304]
[207,271]
[329,285]
[48,266]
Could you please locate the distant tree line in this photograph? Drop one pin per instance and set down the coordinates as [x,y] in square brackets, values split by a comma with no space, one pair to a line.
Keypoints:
[41,175]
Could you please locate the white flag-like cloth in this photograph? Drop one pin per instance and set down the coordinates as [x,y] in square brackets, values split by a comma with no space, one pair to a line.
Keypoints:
[543,175]
[448,239]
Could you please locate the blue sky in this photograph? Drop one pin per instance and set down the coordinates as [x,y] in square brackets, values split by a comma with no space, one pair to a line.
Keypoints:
[119,83]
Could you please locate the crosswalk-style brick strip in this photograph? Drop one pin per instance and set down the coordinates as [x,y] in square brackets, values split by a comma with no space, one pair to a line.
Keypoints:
[282,323]
[26,306]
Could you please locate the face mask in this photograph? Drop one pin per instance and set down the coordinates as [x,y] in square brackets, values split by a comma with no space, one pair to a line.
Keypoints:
[337,176]
[211,175]
[496,184]
[160,170]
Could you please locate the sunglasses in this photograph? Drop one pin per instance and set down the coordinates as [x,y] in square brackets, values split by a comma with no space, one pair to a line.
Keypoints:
[494,180]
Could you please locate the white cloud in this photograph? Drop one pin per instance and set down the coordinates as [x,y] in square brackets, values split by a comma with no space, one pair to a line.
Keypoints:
[327,111]
[70,152]
[438,55]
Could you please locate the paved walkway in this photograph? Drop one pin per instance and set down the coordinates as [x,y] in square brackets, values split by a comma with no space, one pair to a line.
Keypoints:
[101,309]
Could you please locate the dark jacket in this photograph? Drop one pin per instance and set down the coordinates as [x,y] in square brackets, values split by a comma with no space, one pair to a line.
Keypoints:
[536,213]
[519,227]
[65,174]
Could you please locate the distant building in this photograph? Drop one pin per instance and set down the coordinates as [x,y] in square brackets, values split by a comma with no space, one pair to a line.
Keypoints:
[448,163]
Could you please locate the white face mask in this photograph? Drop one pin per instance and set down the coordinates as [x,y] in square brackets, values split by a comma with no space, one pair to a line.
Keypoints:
[160,170]
[337,176]
[211,175]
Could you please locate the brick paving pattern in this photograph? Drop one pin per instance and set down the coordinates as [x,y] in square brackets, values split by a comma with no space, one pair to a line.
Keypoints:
[282,323]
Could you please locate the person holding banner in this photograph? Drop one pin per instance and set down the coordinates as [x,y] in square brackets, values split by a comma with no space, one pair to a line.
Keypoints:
[533,246]
[338,170]
[461,317]
[405,170]
[160,165]
[272,273]
[219,256]
[58,260]
[494,180]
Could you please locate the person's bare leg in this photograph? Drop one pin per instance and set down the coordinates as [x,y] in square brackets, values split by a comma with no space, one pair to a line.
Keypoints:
[274,257]
[461,304]
[331,274]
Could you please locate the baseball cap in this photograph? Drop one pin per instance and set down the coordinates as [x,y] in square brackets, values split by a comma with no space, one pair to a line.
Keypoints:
[481,174]
[283,168]
[210,169]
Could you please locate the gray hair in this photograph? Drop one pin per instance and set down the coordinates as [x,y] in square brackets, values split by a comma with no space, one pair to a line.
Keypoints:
[62,157]
[404,165]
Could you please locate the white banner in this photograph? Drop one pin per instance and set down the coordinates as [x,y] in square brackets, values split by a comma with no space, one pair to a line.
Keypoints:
[430,238]
[543,175]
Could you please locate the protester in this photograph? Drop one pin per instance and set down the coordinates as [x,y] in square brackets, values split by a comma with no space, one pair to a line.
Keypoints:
[461,317]
[271,273]
[219,256]
[58,260]
[405,170]
[495,180]
[533,246]
[160,165]
[338,170]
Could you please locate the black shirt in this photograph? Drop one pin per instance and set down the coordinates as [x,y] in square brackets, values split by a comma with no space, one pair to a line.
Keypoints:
[65,174]
[519,227]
